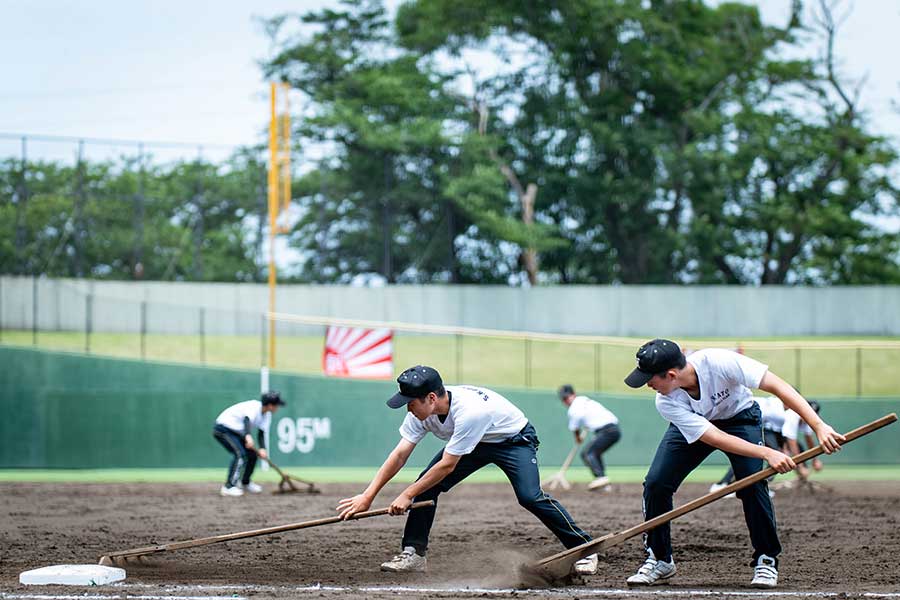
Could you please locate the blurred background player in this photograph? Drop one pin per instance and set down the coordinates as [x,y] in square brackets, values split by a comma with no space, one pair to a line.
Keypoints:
[780,429]
[585,413]
[481,427]
[233,429]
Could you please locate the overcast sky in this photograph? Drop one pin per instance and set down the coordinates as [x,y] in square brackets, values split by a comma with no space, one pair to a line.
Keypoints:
[187,71]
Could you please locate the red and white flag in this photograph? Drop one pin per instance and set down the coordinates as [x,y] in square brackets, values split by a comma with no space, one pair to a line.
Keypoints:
[359,353]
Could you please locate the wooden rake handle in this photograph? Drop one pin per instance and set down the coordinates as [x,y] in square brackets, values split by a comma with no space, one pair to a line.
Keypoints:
[251,533]
[578,552]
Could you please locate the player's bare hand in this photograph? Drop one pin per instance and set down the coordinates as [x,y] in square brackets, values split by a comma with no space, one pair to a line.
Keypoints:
[350,506]
[262,453]
[817,464]
[400,505]
[829,439]
[779,461]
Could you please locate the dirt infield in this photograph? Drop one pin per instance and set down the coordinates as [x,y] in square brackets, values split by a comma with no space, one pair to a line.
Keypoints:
[844,539]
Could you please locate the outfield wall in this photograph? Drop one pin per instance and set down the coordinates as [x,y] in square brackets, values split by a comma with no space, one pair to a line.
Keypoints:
[71,411]
[634,310]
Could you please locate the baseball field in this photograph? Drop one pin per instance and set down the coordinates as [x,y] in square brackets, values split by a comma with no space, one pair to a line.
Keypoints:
[839,540]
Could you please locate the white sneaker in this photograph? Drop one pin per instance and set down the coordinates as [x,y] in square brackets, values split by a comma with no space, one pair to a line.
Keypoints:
[599,482]
[718,486]
[405,562]
[231,491]
[652,572]
[253,488]
[765,573]
[587,565]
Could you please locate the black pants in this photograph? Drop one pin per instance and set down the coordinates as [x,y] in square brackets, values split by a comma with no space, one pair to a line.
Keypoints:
[675,459]
[772,439]
[517,458]
[604,438]
[243,461]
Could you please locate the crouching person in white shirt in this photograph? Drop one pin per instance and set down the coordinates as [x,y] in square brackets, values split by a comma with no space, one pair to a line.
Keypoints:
[585,413]
[233,429]
[707,399]
[481,427]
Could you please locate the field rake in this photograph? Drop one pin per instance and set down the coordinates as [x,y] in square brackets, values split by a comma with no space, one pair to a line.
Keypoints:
[138,554]
[288,482]
[556,569]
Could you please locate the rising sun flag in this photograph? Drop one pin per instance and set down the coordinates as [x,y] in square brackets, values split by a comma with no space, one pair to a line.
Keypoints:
[358,353]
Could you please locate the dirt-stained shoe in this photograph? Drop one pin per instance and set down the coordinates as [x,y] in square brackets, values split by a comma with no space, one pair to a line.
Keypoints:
[234,491]
[587,565]
[652,572]
[765,573]
[405,562]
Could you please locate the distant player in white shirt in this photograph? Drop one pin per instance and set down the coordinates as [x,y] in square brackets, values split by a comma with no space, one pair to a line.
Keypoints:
[585,413]
[233,429]
[707,399]
[481,427]
[780,429]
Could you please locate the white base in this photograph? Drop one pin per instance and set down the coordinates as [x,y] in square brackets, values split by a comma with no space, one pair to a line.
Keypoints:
[72,575]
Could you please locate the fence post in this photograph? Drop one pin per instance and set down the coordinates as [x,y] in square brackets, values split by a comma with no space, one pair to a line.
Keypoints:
[597,378]
[88,321]
[528,362]
[262,340]
[144,330]
[458,344]
[34,310]
[858,372]
[202,336]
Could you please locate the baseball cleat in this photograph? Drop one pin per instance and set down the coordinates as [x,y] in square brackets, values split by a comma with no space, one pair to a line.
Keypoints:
[765,573]
[598,483]
[233,491]
[652,572]
[587,565]
[253,488]
[405,562]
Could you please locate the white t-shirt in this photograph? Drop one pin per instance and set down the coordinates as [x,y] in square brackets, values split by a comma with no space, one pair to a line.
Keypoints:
[725,378]
[794,424]
[233,416]
[589,414]
[476,415]
[773,412]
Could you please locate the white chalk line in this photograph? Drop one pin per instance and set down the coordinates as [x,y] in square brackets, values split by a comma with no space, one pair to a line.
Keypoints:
[111,597]
[560,592]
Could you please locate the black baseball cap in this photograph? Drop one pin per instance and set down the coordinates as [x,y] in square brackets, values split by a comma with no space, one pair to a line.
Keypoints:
[655,357]
[415,382]
[271,397]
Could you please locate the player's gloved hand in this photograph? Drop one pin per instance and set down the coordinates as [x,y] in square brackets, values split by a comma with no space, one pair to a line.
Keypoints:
[248,442]
[350,506]
[829,439]
[779,461]
[400,504]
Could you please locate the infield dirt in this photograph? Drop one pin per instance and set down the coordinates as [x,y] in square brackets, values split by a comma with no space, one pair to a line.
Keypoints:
[841,539]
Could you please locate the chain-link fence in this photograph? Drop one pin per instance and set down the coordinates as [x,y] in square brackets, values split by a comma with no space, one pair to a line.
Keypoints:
[63,316]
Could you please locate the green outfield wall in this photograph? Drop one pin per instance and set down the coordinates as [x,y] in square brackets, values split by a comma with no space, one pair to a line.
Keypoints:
[72,411]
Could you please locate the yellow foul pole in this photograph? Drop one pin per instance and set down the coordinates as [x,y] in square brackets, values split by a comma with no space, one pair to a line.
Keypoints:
[279,192]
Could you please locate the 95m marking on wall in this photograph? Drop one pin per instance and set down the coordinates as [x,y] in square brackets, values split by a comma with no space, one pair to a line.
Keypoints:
[301,434]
